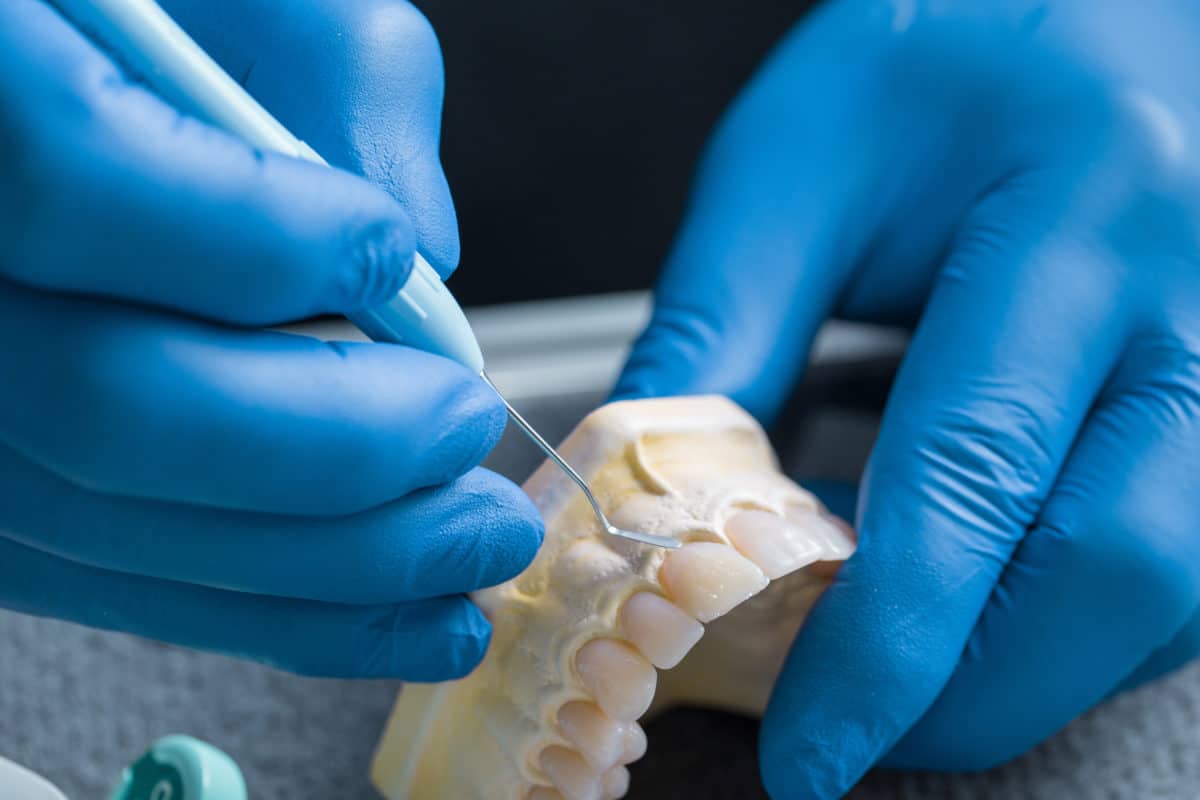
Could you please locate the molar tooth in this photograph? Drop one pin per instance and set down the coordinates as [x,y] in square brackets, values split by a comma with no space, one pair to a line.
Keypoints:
[568,770]
[659,628]
[777,545]
[621,681]
[545,793]
[615,783]
[600,738]
[834,532]
[635,744]
[707,579]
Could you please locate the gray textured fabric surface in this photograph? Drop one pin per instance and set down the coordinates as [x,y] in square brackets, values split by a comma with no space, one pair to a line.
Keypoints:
[77,704]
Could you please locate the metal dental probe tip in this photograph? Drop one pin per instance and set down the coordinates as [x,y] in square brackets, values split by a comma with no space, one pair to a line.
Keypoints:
[544,446]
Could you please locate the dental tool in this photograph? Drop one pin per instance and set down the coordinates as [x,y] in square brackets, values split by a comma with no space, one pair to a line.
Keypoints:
[423,314]
[577,479]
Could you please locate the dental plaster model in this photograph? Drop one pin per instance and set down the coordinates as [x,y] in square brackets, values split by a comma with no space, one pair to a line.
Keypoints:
[551,712]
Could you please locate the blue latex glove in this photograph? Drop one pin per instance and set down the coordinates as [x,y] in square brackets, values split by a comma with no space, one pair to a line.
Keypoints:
[166,468]
[1019,181]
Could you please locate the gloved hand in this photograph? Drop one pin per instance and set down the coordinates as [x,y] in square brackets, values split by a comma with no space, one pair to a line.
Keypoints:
[165,468]
[1020,182]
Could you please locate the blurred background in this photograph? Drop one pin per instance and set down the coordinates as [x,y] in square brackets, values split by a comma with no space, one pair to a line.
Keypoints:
[572,128]
[571,131]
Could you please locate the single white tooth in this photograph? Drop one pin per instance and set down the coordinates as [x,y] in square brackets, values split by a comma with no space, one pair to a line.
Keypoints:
[600,738]
[621,681]
[635,744]
[777,545]
[707,579]
[837,536]
[615,783]
[568,771]
[659,628]
[545,793]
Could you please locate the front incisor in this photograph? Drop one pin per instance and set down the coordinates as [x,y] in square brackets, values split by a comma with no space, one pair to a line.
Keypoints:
[776,544]
[620,679]
[707,579]
[577,637]
[661,630]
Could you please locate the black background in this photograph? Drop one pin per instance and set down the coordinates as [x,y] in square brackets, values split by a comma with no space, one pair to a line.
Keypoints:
[572,128]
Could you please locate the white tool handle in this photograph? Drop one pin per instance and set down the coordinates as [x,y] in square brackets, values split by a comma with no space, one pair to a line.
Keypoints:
[18,783]
[424,315]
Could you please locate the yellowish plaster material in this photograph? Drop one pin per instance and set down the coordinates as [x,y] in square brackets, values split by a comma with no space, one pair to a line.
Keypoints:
[681,467]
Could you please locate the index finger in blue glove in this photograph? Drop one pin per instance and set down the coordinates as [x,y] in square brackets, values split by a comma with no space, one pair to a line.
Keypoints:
[427,640]
[114,193]
[761,257]
[976,429]
[190,412]
[476,531]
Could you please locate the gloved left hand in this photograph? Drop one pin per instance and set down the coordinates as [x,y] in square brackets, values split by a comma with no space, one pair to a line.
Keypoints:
[1020,182]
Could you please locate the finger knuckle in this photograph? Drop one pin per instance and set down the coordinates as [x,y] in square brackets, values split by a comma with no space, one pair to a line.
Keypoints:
[1141,177]
[393,27]
[1151,134]
[400,23]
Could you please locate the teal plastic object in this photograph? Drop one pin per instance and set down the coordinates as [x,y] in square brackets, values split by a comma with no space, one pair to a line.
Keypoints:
[144,38]
[181,768]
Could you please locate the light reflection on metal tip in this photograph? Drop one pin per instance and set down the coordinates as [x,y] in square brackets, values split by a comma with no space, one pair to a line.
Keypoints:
[644,538]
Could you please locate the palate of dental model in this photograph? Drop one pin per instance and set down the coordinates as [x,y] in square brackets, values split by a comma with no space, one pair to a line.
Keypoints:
[579,638]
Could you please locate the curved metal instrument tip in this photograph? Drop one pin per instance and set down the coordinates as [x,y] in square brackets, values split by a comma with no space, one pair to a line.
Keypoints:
[644,538]
[552,454]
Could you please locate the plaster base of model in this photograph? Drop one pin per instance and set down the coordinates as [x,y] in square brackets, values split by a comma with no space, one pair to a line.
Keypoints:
[579,637]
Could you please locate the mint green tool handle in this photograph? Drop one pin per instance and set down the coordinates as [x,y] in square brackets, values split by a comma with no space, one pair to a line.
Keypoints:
[147,42]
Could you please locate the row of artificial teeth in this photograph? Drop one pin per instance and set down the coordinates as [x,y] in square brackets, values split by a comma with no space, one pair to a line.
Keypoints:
[703,581]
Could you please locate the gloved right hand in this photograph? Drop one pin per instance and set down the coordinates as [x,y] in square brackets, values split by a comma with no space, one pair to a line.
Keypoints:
[1019,182]
[166,468]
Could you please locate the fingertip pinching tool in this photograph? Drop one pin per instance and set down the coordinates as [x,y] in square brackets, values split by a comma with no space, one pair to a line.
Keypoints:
[144,39]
